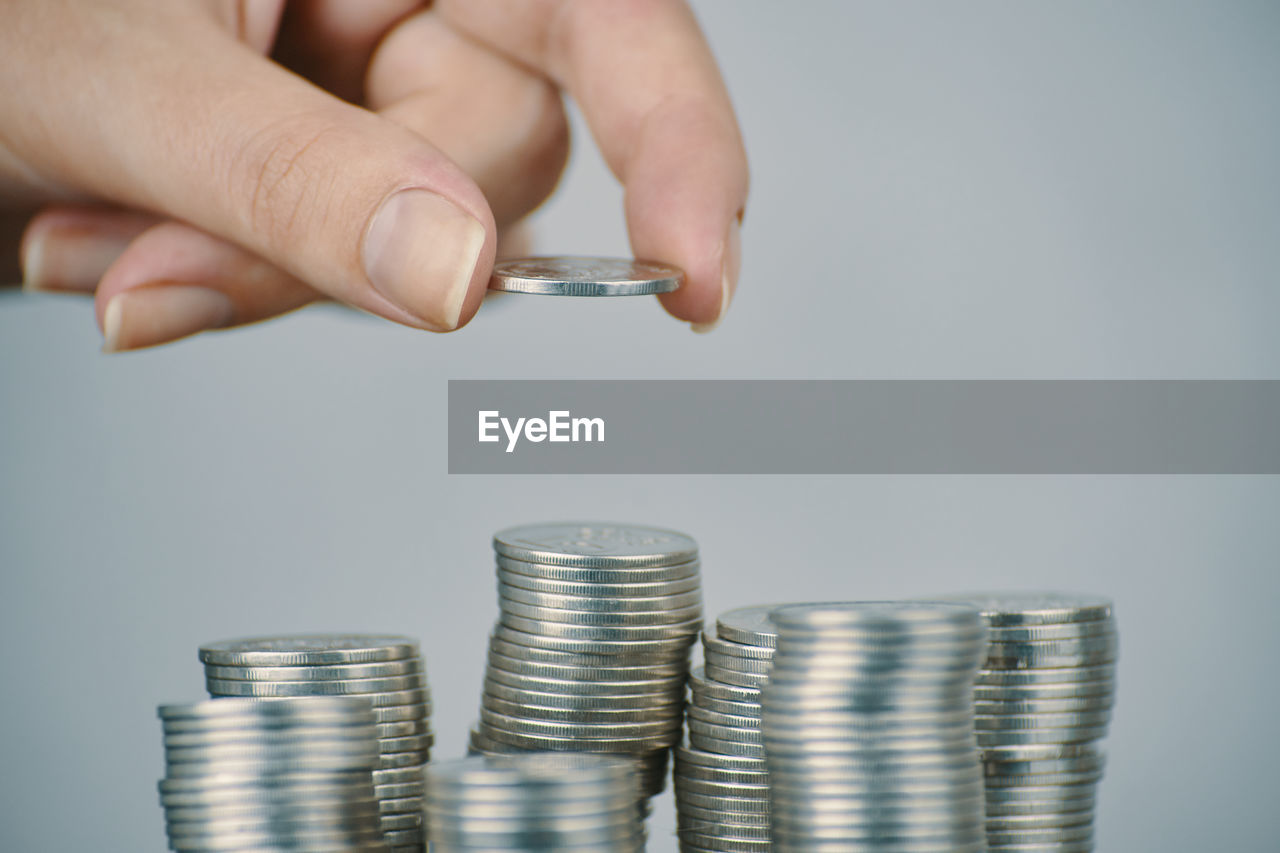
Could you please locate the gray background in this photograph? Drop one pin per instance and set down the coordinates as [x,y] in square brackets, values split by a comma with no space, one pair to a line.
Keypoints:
[978,190]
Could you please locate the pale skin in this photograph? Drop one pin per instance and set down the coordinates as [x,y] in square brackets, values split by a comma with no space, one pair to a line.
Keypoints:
[202,164]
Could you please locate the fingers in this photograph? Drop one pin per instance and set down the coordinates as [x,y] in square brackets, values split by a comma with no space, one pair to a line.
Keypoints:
[174,281]
[215,135]
[69,248]
[652,95]
[514,139]
[330,41]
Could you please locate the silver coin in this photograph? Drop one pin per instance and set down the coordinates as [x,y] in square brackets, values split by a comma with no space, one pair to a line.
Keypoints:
[595,545]
[1034,649]
[390,794]
[522,725]
[727,747]
[328,672]
[1036,608]
[641,589]
[647,650]
[603,633]
[1088,690]
[1044,808]
[1000,722]
[740,834]
[1063,675]
[711,730]
[549,743]
[989,739]
[1049,633]
[750,710]
[688,813]
[689,756]
[254,710]
[601,603]
[1044,706]
[1033,754]
[622,575]
[834,618]
[577,715]
[346,687]
[289,738]
[309,649]
[554,771]
[572,275]
[734,649]
[715,672]
[568,695]
[716,718]
[648,620]
[722,843]
[758,788]
[699,683]
[755,666]
[1017,823]
[571,672]
[670,689]
[614,664]
[750,626]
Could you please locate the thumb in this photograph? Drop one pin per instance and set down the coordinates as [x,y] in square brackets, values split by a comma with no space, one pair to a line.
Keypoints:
[358,207]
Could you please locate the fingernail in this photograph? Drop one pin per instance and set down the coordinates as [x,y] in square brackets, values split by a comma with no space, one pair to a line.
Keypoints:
[160,313]
[730,266]
[420,252]
[68,259]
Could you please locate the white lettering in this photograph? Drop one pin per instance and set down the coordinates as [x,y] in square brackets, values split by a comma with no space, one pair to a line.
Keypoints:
[588,424]
[513,435]
[488,423]
[559,426]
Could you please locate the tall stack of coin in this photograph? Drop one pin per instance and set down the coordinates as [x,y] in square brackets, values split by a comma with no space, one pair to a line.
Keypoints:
[591,649]
[534,802]
[386,670]
[868,728]
[288,774]
[721,780]
[1043,699]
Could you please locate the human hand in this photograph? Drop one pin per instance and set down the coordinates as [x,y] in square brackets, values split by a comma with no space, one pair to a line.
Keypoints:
[200,164]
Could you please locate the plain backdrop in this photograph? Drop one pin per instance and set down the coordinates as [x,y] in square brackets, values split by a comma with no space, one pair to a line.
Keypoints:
[940,190]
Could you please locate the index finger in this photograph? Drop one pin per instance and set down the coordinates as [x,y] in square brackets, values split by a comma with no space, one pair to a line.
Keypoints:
[653,97]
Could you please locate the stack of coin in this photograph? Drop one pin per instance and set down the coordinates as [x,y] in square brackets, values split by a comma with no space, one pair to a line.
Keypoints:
[534,802]
[1043,699]
[386,670]
[591,649]
[868,728]
[287,774]
[721,780]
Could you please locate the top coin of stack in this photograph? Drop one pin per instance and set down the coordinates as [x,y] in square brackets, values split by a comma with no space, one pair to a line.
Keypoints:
[1042,699]
[285,774]
[386,670]
[534,802]
[721,780]
[591,649]
[571,275]
[868,728]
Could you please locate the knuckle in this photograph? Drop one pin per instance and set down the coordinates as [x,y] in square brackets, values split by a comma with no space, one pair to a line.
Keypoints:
[285,173]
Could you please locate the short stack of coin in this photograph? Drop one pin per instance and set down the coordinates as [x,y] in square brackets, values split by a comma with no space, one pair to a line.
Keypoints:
[591,649]
[721,780]
[386,670]
[534,802]
[868,728]
[287,774]
[1043,699]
